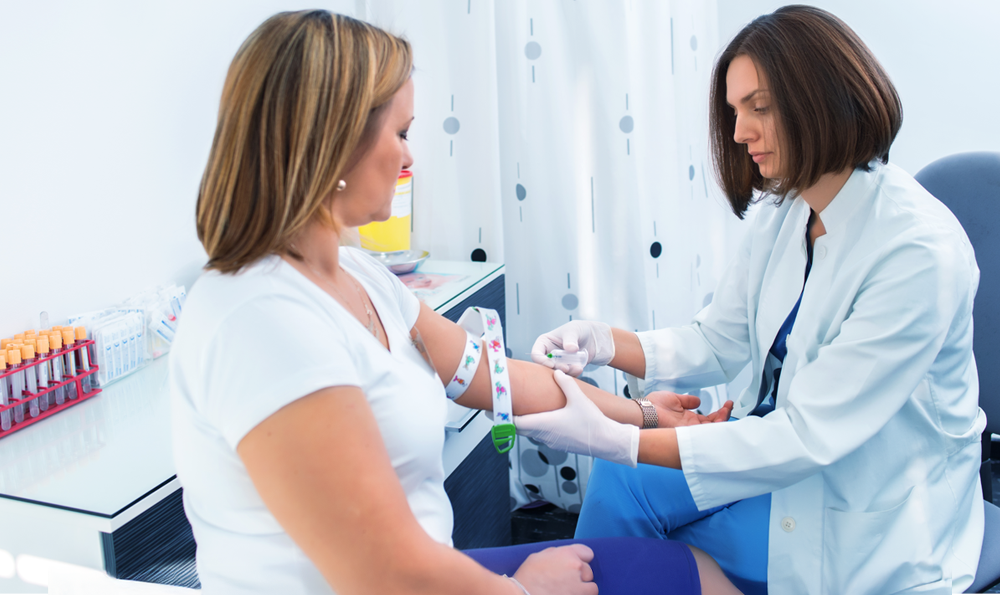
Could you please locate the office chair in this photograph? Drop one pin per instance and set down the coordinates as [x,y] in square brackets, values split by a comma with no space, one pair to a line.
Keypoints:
[969,185]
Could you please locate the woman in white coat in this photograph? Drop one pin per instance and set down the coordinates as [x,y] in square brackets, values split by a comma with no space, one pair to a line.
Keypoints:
[854,466]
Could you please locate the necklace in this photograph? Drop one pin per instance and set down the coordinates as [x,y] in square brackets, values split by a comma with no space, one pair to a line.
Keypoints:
[357,286]
[371,319]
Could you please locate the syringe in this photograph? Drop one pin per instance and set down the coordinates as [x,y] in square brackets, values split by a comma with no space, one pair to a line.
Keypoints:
[569,358]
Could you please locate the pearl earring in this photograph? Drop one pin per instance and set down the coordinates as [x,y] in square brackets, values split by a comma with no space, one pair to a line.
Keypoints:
[341,185]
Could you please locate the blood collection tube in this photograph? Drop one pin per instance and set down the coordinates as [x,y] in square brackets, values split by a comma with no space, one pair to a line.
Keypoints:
[42,371]
[16,382]
[4,398]
[69,361]
[83,358]
[30,378]
[56,367]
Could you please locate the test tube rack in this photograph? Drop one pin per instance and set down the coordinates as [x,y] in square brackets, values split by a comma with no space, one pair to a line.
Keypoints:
[53,408]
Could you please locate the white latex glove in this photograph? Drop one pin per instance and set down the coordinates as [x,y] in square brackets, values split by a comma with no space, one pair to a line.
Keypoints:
[581,428]
[573,336]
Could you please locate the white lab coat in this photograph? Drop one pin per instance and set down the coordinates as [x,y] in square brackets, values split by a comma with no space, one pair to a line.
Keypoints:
[872,453]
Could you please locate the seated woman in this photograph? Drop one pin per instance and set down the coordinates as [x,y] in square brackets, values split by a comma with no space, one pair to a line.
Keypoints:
[854,468]
[306,380]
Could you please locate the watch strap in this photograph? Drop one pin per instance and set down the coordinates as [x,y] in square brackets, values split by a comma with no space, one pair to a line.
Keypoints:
[649,417]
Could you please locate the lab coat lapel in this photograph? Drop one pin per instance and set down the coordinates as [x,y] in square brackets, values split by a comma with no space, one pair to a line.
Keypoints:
[783,278]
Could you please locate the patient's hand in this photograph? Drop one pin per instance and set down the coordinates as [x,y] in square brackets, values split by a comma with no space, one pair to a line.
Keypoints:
[674,410]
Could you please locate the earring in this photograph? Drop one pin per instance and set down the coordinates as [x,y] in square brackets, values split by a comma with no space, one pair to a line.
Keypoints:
[341,185]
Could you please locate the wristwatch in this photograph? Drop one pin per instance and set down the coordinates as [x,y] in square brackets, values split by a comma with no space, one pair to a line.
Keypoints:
[649,418]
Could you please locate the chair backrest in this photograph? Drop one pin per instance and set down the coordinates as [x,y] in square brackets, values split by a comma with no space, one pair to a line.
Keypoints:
[969,185]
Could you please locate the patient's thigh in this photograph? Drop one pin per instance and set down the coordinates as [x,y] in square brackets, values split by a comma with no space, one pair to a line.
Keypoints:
[737,537]
[647,501]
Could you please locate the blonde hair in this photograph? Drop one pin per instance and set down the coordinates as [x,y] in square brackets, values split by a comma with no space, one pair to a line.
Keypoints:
[302,102]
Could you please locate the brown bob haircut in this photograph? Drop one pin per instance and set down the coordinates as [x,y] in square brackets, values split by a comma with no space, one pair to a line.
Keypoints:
[833,103]
[302,102]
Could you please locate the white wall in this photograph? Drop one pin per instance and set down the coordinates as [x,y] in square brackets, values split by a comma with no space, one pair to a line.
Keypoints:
[107,111]
[942,57]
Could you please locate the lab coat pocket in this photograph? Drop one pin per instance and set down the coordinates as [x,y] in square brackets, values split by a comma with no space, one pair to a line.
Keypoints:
[877,551]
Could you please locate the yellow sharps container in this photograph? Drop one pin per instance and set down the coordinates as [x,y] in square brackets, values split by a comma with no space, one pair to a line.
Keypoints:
[392,235]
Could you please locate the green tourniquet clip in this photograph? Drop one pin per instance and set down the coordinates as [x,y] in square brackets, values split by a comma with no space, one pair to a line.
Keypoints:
[503,437]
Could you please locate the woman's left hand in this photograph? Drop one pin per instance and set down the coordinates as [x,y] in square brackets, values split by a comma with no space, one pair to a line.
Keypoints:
[674,410]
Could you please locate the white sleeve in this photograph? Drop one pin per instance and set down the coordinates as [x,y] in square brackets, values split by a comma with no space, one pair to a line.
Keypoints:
[715,347]
[899,320]
[266,354]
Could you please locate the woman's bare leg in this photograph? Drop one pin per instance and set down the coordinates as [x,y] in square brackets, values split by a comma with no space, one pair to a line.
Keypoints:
[713,580]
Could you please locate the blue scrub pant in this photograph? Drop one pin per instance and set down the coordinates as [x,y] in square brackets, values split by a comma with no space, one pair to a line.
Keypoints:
[651,501]
[621,565]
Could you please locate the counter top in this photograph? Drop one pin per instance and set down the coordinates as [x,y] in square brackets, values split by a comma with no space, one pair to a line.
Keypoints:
[99,459]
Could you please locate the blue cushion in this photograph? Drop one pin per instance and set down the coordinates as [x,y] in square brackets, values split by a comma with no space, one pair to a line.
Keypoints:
[969,185]
[989,561]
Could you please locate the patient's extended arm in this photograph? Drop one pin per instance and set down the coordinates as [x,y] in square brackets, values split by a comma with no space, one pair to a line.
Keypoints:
[533,389]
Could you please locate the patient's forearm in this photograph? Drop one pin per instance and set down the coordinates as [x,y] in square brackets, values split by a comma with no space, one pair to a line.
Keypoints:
[533,390]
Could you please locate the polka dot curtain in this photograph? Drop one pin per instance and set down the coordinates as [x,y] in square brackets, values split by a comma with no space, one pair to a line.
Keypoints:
[568,139]
[610,210]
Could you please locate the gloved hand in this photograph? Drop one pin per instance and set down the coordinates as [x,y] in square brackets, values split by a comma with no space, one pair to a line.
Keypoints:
[573,336]
[581,428]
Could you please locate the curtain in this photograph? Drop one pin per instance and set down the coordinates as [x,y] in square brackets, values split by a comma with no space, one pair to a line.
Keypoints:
[568,139]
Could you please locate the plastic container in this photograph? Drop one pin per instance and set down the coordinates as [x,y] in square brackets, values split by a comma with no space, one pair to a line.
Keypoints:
[392,235]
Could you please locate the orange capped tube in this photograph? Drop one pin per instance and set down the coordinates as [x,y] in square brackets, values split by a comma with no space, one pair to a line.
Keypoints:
[69,360]
[42,372]
[83,358]
[16,382]
[56,367]
[5,416]
[30,378]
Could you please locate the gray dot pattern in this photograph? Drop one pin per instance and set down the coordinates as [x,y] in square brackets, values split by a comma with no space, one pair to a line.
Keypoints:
[451,125]
[690,172]
[532,50]
[626,124]
[532,464]
[694,43]
[569,487]
[521,192]
[554,457]
[570,301]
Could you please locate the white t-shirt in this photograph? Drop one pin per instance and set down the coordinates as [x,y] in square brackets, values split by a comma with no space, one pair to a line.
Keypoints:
[253,342]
